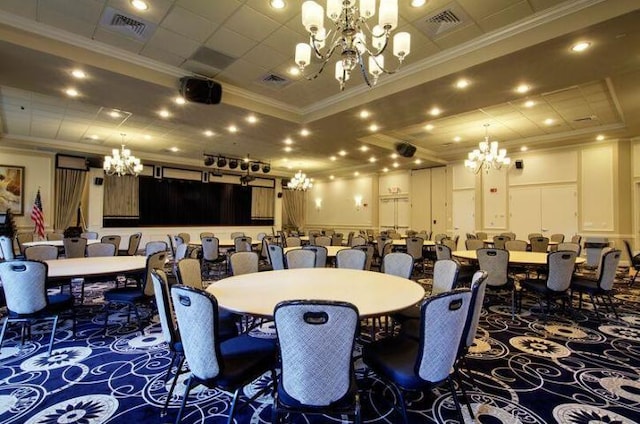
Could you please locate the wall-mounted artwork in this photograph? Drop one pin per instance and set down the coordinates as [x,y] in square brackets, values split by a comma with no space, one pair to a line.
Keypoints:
[12,189]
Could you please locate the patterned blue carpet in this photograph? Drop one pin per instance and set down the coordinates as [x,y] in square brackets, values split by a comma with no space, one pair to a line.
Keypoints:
[570,370]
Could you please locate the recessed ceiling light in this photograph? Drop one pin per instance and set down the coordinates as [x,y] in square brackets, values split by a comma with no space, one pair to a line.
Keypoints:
[333,158]
[418,3]
[180,100]
[139,4]
[524,148]
[529,103]
[385,169]
[364,114]
[396,164]
[364,148]
[78,73]
[600,137]
[457,139]
[394,156]
[331,177]
[294,71]
[373,127]
[147,137]
[288,141]
[462,83]
[252,119]
[288,149]
[435,111]
[304,132]
[522,88]
[93,137]
[277,4]
[71,92]
[342,152]
[209,133]
[174,149]
[428,127]
[580,46]
[115,114]
[372,159]
[232,129]
[164,113]
[548,121]
[418,161]
[355,174]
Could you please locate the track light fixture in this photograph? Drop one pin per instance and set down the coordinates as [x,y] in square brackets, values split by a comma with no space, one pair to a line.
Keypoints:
[233,163]
[245,163]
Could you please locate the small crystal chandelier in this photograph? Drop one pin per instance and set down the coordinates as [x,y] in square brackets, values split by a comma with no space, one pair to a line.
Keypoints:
[487,155]
[349,38]
[299,182]
[121,162]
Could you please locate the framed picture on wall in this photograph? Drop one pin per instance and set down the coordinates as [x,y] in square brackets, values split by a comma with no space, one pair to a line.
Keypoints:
[12,189]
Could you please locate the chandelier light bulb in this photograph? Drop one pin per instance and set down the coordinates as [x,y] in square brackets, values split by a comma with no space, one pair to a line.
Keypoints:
[487,156]
[299,181]
[121,162]
[312,16]
[401,45]
[303,55]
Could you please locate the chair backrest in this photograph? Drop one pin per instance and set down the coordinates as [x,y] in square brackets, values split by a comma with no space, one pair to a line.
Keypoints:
[199,342]
[442,322]
[512,236]
[115,240]
[500,241]
[165,308]
[414,247]
[350,237]
[478,286]
[261,235]
[532,235]
[276,257]
[242,244]
[451,243]
[134,243]
[74,247]
[101,249]
[244,263]
[210,248]
[206,234]
[381,241]
[328,232]
[443,252]
[516,245]
[181,252]
[154,247]
[236,234]
[560,265]
[316,341]
[576,238]
[473,244]
[24,286]
[471,236]
[190,273]
[439,237]
[368,250]
[608,268]
[41,253]
[322,241]
[155,261]
[186,237]
[539,244]
[496,263]
[300,258]
[336,239]
[22,238]
[321,254]
[358,240]
[55,236]
[177,240]
[634,260]
[90,235]
[172,244]
[398,263]
[482,235]
[445,274]
[351,259]
[558,238]
[292,242]
[6,248]
[567,245]
[264,251]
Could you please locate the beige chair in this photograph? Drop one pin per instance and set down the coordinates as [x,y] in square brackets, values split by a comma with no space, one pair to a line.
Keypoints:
[292,242]
[190,273]
[132,246]
[516,245]
[90,235]
[244,263]
[115,240]
[102,249]
[186,237]
[300,258]
[41,253]
[74,247]
[54,236]
[23,238]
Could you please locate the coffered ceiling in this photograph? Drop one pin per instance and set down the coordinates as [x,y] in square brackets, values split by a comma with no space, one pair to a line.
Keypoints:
[496,46]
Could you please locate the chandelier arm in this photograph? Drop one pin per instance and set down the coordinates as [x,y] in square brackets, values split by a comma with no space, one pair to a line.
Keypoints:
[387,36]
[318,53]
[382,68]
[363,70]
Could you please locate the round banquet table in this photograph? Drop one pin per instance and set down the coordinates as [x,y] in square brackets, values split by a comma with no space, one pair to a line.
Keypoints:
[331,250]
[225,242]
[57,243]
[403,242]
[515,257]
[95,266]
[373,293]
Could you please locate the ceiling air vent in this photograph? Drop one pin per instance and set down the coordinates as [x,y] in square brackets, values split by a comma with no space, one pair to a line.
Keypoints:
[442,21]
[586,119]
[274,80]
[126,24]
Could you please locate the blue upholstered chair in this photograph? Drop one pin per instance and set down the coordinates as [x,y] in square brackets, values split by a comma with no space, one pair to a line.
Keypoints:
[321,254]
[602,285]
[276,257]
[300,258]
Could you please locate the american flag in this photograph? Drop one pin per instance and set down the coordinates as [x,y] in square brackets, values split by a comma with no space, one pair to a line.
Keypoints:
[37,216]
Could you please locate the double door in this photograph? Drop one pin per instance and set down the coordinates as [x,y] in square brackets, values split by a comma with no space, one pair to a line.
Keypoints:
[395,213]
[546,210]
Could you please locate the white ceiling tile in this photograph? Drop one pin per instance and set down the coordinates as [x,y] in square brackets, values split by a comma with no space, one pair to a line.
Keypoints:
[171,42]
[251,23]
[291,9]
[243,73]
[187,23]
[154,14]
[454,38]
[284,40]
[25,8]
[217,11]
[265,57]
[162,56]
[117,40]
[67,23]
[506,16]
[230,43]
[481,9]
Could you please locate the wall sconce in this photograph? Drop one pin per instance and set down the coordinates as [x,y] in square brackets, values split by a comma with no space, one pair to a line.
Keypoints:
[358,201]
[318,203]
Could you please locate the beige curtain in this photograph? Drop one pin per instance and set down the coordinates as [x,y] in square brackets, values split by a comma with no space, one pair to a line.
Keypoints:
[262,203]
[121,196]
[69,187]
[293,205]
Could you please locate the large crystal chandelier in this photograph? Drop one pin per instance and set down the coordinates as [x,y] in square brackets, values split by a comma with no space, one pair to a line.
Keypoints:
[349,38]
[487,155]
[122,162]
[300,182]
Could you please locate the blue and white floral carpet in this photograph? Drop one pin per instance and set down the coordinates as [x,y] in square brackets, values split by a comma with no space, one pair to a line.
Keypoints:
[569,370]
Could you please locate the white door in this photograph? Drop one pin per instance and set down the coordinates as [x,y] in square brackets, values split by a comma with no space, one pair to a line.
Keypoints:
[559,211]
[464,204]
[524,211]
[386,214]
[403,214]
[421,199]
[439,200]
[395,213]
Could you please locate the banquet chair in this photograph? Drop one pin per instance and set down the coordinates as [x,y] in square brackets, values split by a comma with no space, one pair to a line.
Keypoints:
[443,252]
[96,250]
[242,244]
[512,236]
[24,285]
[576,238]
[41,252]
[185,237]
[321,254]
[532,235]
[276,257]
[292,242]
[414,248]
[6,248]
[316,340]
[380,243]
[132,245]
[516,245]
[466,270]
[236,234]
[496,263]
[399,264]
[416,365]
[171,244]
[243,263]
[450,243]
[471,236]
[181,252]
[132,296]
[567,245]
[154,247]
[204,234]
[602,285]
[358,240]
[539,244]
[211,253]
[228,365]
[300,258]
[23,238]
[115,240]
[500,241]
[322,241]
[439,237]
[74,247]
[368,250]
[558,238]
[336,239]
[473,244]
[351,259]
[560,266]
[189,273]
[634,261]
[328,232]
[350,237]
[89,235]
[482,235]
[54,235]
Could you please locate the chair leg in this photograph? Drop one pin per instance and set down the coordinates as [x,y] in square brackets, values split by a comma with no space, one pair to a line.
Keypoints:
[452,389]
[106,317]
[613,306]
[173,384]
[357,419]
[464,393]
[4,329]
[234,401]
[633,279]
[166,374]
[403,406]
[53,334]
[184,399]
[595,307]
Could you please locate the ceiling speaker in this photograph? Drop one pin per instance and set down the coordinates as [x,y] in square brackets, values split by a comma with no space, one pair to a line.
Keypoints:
[200,90]
[405,149]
